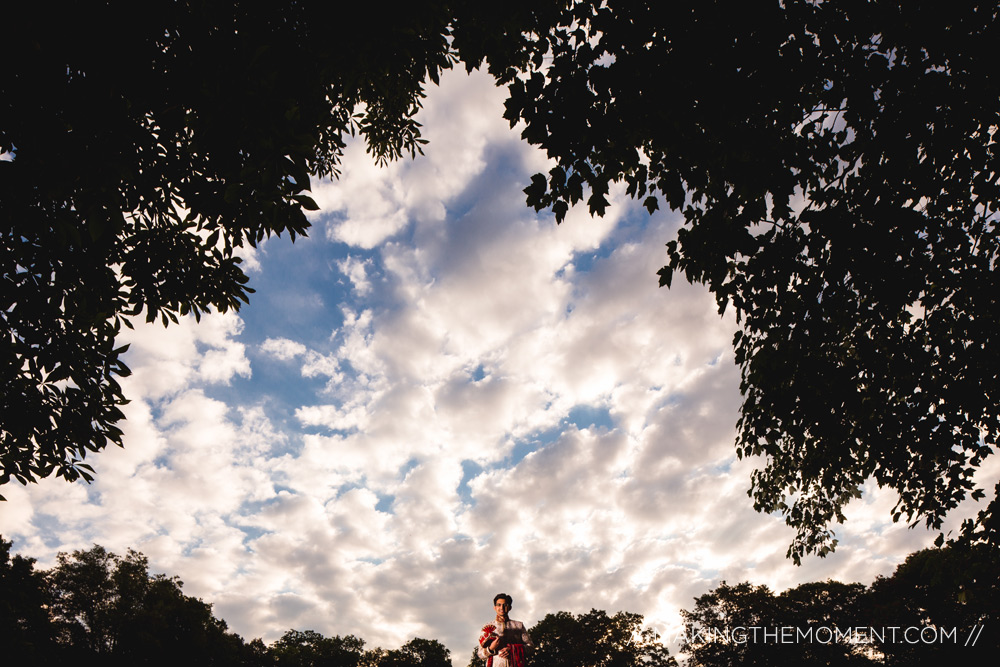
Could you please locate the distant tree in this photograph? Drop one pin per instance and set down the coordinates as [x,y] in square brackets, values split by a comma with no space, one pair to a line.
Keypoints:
[717,631]
[952,589]
[415,653]
[26,636]
[425,653]
[258,654]
[85,601]
[595,639]
[831,605]
[109,608]
[475,660]
[748,625]
[311,649]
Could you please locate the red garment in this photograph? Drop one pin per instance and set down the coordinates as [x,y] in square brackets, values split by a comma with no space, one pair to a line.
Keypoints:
[513,637]
[516,656]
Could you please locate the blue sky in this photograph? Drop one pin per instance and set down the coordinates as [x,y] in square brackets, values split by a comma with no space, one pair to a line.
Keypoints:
[436,396]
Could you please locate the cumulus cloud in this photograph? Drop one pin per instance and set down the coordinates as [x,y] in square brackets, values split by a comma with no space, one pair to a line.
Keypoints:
[370,204]
[166,360]
[283,348]
[356,271]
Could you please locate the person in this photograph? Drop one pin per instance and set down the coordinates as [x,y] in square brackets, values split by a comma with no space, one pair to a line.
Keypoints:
[504,642]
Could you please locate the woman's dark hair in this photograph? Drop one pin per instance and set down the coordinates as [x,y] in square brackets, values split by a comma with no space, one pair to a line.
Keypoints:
[510,600]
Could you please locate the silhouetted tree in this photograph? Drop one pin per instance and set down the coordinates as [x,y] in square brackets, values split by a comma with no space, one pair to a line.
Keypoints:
[311,649]
[595,639]
[824,606]
[144,146]
[720,629]
[85,600]
[109,608]
[26,636]
[415,653]
[475,660]
[950,590]
[258,654]
[419,652]
[937,608]
[748,625]
[837,167]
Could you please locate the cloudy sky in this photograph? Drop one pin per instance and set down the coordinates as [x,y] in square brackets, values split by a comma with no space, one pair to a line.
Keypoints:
[437,396]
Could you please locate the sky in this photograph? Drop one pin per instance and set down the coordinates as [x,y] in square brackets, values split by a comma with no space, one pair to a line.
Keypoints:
[437,396]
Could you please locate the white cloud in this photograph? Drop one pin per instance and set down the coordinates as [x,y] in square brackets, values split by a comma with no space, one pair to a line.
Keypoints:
[165,360]
[283,348]
[371,204]
[356,271]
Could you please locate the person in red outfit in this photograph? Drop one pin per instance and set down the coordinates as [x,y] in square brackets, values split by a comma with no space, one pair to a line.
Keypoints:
[504,642]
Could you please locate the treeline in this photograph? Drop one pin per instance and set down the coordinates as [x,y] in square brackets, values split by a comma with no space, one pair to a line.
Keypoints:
[96,606]
[939,605]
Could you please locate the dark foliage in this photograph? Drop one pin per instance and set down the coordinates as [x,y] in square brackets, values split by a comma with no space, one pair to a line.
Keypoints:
[475,660]
[310,649]
[595,639]
[97,607]
[939,607]
[148,143]
[415,653]
[110,609]
[955,587]
[837,167]
[26,633]
[716,626]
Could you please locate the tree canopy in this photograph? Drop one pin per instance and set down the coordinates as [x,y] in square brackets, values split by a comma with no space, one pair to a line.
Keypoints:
[140,161]
[954,587]
[417,652]
[308,648]
[835,163]
[935,609]
[596,639]
[95,605]
[25,630]
[728,623]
